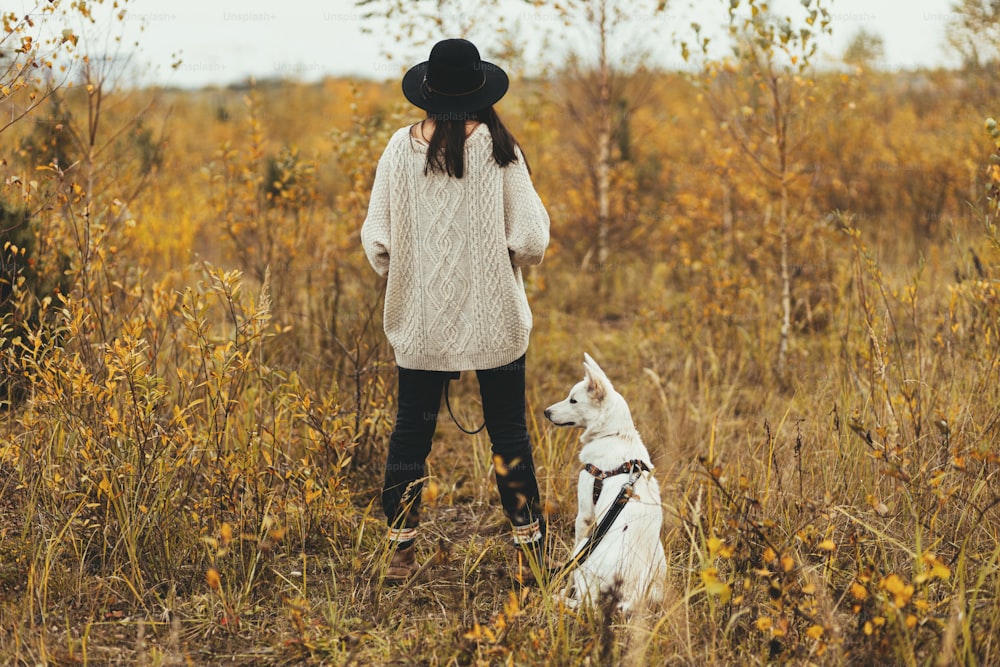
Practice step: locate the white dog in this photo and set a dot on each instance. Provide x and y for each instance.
(630, 556)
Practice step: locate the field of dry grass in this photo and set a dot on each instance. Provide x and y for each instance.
(197, 395)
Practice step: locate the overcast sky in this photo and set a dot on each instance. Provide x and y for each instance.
(224, 41)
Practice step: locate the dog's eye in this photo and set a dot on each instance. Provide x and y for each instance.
(572, 400)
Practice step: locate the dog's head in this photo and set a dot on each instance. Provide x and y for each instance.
(592, 403)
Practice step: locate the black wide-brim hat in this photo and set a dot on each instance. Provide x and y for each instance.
(454, 80)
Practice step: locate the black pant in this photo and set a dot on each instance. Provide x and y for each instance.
(419, 400)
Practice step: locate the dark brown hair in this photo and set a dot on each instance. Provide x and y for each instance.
(446, 150)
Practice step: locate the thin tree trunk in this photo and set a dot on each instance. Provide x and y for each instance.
(786, 285)
(603, 150)
(781, 139)
(603, 197)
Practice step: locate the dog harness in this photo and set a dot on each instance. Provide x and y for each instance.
(601, 475)
(634, 469)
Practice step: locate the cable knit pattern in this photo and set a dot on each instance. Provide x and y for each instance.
(452, 250)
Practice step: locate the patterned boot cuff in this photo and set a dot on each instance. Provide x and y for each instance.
(402, 534)
(527, 534)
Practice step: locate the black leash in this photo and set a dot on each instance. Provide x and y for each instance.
(454, 376)
(634, 471)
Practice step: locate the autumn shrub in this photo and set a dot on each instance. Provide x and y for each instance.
(868, 535)
(326, 299)
(25, 280)
(159, 437)
(185, 428)
(15, 271)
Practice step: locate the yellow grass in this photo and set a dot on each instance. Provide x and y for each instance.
(196, 415)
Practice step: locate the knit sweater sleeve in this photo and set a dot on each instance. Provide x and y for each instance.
(375, 232)
(527, 221)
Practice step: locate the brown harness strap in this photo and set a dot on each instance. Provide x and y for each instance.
(601, 475)
(633, 468)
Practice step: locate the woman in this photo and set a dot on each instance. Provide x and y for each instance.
(452, 219)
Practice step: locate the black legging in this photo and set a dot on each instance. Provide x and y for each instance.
(419, 400)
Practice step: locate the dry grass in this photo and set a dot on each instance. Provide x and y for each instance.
(819, 522)
(190, 466)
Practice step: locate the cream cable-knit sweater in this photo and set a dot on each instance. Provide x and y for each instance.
(453, 250)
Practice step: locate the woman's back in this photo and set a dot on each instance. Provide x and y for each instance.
(455, 297)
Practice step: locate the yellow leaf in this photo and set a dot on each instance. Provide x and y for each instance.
(226, 533)
(714, 544)
(500, 466)
(892, 583)
(827, 545)
(475, 633)
(911, 621)
(787, 563)
(815, 631)
(859, 591)
(715, 587)
(764, 623)
(901, 591)
(431, 492)
(938, 569)
(212, 577)
(512, 608)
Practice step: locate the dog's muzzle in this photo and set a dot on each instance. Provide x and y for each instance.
(548, 415)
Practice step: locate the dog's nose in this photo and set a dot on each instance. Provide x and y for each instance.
(548, 413)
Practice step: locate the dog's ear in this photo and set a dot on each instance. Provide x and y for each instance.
(594, 369)
(597, 381)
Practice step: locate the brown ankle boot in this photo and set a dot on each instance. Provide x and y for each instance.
(402, 566)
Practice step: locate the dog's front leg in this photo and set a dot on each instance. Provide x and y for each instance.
(585, 515)
(585, 518)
